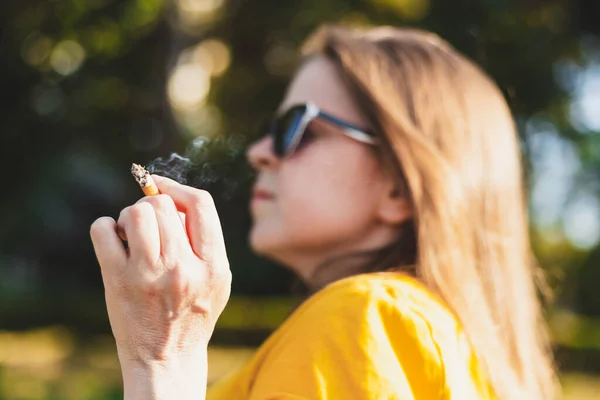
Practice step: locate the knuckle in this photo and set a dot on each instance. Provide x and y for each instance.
(124, 214)
(221, 274)
(147, 259)
(100, 225)
(225, 278)
(138, 211)
(203, 199)
(180, 280)
(163, 201)
(156, 200)
(222, 285)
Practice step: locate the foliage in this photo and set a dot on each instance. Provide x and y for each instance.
(85, 89)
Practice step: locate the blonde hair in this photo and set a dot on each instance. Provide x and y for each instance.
(450, 134)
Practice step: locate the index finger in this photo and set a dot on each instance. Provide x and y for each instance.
(107, 245)
(202, 221)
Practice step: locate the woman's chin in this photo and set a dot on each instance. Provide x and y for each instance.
(262, 241)
(269, 243)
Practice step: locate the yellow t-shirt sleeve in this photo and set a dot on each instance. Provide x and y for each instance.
(353, 341)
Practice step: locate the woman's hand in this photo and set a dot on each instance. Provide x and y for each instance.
(165, 292)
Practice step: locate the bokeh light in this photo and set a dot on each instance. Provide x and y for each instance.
(194, 13)
(47, 100)
(204, 122)
(188, 86)
(555, 165)
(582, 222)
(213, 55)
(67, 56)
(36, 49)
(106, 38)
(585, 109)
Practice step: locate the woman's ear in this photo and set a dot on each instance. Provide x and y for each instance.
(395, 207)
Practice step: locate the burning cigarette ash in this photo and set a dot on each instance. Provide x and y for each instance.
(144, 179)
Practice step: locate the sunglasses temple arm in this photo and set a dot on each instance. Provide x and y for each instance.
(354, 131)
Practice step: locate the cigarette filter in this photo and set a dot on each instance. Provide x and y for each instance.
(144, 179)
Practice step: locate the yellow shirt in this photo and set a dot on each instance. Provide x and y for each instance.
(372, 336)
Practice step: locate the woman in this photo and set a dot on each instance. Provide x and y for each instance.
(390, 182)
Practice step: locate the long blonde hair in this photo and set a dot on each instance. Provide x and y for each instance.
(451, 136)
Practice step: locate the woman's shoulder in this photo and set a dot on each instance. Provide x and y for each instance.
(376, 335)
(381, 321)
(363, 306)
(388, 292)
(375, 284)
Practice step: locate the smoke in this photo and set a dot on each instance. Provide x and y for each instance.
(175, 167)
(217, 165)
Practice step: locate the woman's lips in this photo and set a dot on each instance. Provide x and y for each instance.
(261, 194)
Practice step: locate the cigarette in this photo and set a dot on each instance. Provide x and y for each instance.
(144, 179)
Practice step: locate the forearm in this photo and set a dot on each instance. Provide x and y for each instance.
(182, 379)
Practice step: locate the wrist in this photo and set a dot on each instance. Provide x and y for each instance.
(181, 378)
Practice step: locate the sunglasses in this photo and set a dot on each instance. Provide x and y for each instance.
(288, 129)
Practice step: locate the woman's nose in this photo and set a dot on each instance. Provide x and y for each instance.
(260, 155)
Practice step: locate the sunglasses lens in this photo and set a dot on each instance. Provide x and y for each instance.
(285, 130)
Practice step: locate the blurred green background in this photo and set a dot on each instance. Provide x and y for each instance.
(89, 86)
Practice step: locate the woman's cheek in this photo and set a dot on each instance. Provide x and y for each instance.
(312, 215)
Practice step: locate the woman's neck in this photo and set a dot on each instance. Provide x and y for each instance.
(397, 251)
